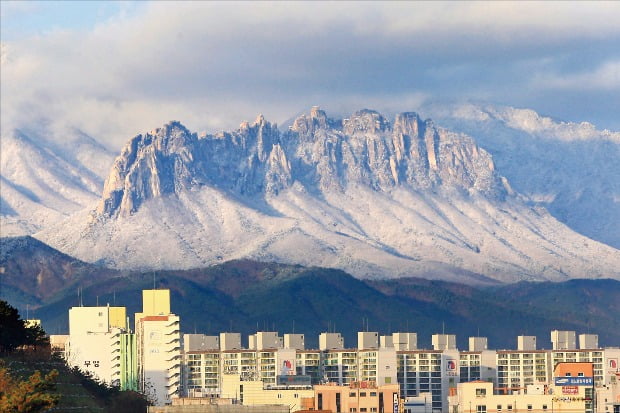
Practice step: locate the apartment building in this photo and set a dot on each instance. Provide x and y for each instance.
(517, 369)
(95, 344)
(158, 343)
(308, 363)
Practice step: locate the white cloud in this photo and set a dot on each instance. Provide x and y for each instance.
(605, 77)
(212, 65)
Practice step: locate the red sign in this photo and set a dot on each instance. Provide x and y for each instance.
(570, 390)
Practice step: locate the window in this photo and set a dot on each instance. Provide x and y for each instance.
(544, 407)
(352, 409)
(509, 407)
(481, 408)
(481, 392)
(499, 408)
(373, 394)
(363, 409)
(363, 394)
(352, 394)
(580, 374)
(529, 407)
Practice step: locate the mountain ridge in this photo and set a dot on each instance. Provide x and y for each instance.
(363, 194)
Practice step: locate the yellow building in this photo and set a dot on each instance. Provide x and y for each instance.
(154, 302)
(254, 392)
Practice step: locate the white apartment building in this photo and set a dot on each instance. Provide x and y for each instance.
(94, 342)
(158, 341)
(517, 369)
(421, 373)
(308, 363)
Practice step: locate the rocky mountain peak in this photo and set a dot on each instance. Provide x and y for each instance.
(317, 152)
(365, 120)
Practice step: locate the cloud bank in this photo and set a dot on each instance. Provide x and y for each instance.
(212, 65)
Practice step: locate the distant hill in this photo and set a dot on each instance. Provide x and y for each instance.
(247, 296)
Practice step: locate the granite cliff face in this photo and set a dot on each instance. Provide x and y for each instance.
(316, 152)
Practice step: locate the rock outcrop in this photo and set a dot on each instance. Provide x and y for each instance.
(317, 152)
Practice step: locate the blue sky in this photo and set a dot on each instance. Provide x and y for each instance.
(114, 69)
(28, 18)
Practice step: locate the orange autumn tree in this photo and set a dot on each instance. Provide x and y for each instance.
(34, 394)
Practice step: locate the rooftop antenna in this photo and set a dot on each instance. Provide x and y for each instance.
(97, 301)
(27, 311)
(443, 327)
(114, 297)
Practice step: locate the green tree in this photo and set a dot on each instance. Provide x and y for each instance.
(32, 395)
(36, 337)
(13, 331)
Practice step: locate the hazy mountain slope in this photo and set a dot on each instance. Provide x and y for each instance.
(572, 169)
(37, 270)
(43, 182)
(246, 296)
(373, 197)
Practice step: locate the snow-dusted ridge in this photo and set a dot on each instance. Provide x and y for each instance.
(375, 197)
(43, 182)
(572, 169)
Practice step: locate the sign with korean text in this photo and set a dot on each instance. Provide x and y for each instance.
(570, 390)
(574, 381)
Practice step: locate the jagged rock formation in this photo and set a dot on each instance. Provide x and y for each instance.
(318, 153)
(374, 197)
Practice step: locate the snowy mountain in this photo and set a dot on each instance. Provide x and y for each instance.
(374, 197)
(43, 182)
(572, 169)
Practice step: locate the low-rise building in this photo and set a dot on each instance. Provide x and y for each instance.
(357, 397)
(255, 392)
(571, 391)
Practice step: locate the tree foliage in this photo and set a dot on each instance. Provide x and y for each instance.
(12, 328)
(14, 333)
(34, 394)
